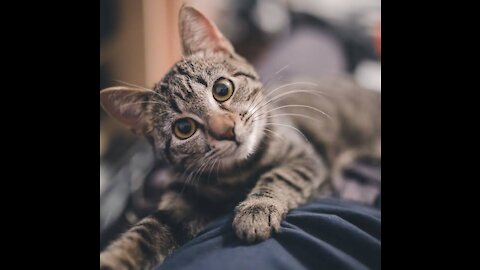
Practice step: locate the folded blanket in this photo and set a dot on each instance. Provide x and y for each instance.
(325, 234)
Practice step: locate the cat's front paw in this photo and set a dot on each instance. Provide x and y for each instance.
(256, 219)
(108, 261)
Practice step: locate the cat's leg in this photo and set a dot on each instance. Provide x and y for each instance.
(141, 247)
(277, 191)
(371, 153)
(155, 237)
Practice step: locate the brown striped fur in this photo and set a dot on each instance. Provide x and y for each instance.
(261, 177)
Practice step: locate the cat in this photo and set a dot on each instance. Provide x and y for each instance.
(233, 147)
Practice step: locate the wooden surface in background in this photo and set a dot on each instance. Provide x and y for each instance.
(162, 42)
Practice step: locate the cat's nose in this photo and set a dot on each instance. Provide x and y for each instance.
(221, 127)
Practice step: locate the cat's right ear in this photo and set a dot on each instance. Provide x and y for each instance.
(198, 33)
(127, 106)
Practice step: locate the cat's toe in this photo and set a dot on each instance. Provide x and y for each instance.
(256, 221)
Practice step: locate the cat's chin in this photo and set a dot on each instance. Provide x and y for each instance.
(239, 153)
(233, 155)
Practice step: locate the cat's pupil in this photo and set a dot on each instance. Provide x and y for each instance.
(221, 89)
(184, 126)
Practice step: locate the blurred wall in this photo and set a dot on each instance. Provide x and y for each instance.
(162, 43)
(143, 45)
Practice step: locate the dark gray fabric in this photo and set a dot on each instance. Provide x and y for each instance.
(360, 181)
(325, 234)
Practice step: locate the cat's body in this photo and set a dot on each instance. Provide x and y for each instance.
(257, 153)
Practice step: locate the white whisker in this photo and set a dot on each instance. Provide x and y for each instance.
(298, 106)
(284, 114)
(274, 133)
(278, 97)
(141, 102)
(289, 126)
(124, 88)
(131, 84)
(278, 88)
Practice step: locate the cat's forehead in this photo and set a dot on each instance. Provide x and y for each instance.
(207, 66)
(196, 65)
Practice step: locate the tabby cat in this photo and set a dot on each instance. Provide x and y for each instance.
(233, 147)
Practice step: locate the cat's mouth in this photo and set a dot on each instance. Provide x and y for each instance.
(237, 141)
(229, 153)
(232, 149)
(239, 149)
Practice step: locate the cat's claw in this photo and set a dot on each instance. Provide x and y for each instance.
(255, 220)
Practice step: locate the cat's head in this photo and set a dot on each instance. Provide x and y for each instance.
(205, 111)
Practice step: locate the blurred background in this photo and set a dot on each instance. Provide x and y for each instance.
(139, 42)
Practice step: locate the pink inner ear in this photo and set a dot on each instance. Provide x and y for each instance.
(125, 105)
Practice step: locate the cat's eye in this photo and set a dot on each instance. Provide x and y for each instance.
(222, 90)
(184, 128)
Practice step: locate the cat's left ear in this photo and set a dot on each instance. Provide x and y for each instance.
(127, 106)
(198, 33)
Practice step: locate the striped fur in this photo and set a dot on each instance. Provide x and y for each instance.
(281, 161)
